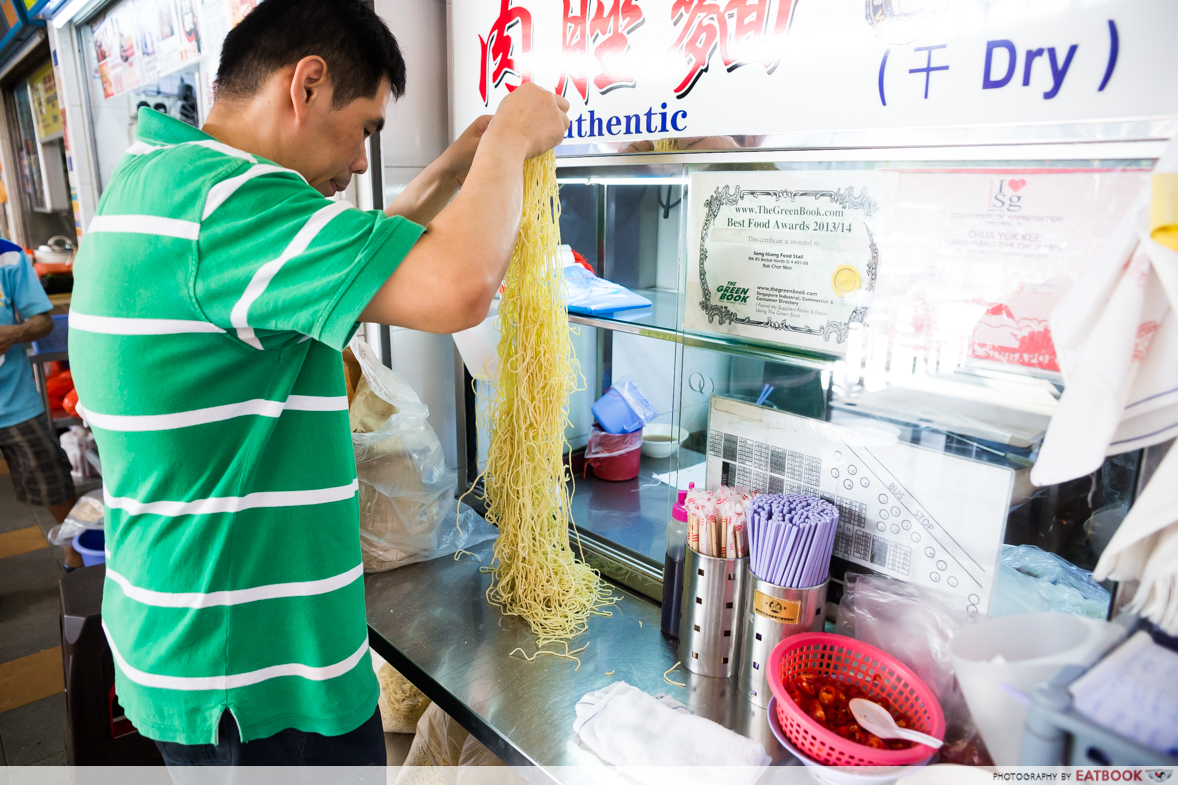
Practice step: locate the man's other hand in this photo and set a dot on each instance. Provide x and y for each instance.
(460, 155)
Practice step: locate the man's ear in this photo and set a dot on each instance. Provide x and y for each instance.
(309, 86)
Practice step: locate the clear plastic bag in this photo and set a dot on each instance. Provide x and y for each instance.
(75, 442)
(443, 752)
(603, 445)
(438, 741)
(1030, 580)
(87, 513)
(915, 625)
(475, 753)
(586, 293)
(629, 390)
(407, 508)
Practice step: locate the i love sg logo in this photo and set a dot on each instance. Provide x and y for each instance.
(1005, 195)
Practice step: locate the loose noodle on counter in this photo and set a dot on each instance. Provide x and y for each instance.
(534, 573)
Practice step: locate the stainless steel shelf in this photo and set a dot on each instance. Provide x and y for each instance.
(623, 525)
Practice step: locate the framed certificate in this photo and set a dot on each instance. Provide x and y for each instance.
(979, 258)
(782, 257)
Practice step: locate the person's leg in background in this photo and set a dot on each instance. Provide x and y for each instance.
(59, 511)
(40, 472)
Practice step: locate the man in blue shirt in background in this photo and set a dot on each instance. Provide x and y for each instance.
(39, 467)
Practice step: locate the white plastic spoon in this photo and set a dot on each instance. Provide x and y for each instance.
(874, 718)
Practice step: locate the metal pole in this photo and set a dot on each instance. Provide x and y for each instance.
(605, 338)
(376, 169)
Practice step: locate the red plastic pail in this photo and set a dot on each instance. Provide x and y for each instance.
(617, 468)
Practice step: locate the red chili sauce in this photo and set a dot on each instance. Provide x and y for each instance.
(827, 701)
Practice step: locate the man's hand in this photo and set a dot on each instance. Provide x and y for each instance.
(422, 199)
(533, 117)
(529, 122)
(535, 104)
(34, 328)
(460, 155)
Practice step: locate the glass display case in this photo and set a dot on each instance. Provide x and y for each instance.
(945, 361)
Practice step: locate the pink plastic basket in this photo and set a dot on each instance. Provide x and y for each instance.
(874, 672)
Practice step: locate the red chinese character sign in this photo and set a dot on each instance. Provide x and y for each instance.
(595, 37)
(498, 51)
(744, 31)
(648, 69)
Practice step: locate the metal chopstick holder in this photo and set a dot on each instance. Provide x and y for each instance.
(770, 614)
(709, 628)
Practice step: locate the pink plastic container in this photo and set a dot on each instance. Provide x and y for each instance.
(873, 671)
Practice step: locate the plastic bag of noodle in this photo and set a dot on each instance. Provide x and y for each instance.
(443, 752)
(401, 704)
(407, 508)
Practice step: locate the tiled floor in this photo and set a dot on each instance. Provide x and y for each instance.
(32, 704)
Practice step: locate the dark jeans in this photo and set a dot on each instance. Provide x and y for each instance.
(362, 747)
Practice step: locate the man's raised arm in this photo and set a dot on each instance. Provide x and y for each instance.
(446, 282)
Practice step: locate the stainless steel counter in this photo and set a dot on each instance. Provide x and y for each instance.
(432, 622)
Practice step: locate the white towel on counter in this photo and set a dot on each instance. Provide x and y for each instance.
(1116, 337)
(629, 728)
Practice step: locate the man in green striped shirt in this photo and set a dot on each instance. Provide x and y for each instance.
(215, 290)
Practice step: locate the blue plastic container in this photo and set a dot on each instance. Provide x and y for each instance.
(615, 415)
(56, 341)
(91, 546)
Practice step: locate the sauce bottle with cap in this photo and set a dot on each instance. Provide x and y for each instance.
(673, 566)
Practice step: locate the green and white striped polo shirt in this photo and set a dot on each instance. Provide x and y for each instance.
(214, 293)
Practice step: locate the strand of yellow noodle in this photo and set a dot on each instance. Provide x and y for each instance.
(534, 574)
(567, 655)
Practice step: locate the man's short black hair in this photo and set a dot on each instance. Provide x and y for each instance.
(355, 43)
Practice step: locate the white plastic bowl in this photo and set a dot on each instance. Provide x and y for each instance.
(672, 437)
(839, 775)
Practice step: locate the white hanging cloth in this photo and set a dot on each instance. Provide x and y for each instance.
(1116, 337)
(1145, 548)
